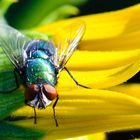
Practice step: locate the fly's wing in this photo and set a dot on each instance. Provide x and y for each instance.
(66, 42)
(13, 42)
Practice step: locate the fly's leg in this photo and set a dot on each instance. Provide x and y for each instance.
(35, 118)
(16, 79)
(75, 79)
(17, 84)
(54, 113)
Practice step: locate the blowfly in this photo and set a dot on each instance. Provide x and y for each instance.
(39, 62)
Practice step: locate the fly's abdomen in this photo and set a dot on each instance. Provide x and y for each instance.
(39, 71)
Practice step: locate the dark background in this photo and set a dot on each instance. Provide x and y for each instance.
(91, 6)
(98, 6)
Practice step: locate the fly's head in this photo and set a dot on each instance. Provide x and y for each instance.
(40, 95)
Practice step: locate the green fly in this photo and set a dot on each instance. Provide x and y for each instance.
(39, 62)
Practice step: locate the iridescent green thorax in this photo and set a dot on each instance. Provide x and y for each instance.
(39, 66)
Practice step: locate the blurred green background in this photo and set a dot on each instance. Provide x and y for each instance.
(29, 13)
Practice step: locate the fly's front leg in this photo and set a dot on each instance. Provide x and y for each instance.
(54, 113)
(75, 79)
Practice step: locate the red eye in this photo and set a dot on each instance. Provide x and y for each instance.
(31, 91)
(49, 91)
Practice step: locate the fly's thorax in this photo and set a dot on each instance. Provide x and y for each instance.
(44, 46)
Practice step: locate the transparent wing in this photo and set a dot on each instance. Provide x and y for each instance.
(13, 42)
(66, 42)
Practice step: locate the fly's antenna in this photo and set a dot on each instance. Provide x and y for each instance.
(35, 117)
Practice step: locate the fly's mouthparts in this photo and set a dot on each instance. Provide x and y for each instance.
(40, 101)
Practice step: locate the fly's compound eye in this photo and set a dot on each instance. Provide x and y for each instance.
(31, 92)
(49, 91)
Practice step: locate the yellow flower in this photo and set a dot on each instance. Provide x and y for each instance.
(108, 55)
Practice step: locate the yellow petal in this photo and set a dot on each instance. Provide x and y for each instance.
(95, 136)
(83, 111)
(132, 89)
(117, 30)
(122, 42)
(100, 79)
(94, 60)
(100, 25)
